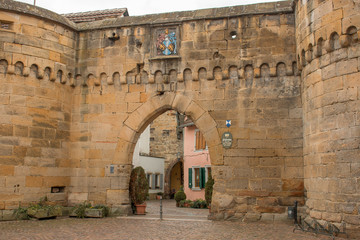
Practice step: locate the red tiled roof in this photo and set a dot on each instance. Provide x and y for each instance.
(96, 15)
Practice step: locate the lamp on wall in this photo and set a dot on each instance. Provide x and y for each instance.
(178, 156)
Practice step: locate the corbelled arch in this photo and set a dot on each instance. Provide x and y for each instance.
(138, 120)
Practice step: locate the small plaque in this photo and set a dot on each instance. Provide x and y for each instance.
(227, 140)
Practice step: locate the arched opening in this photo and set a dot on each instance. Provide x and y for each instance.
(141, 118)
(176, 178)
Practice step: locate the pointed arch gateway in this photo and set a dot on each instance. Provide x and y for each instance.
(138, 120)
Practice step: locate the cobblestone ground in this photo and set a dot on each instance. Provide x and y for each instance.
(178, 225)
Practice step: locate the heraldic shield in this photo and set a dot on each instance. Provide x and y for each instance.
(166, 43)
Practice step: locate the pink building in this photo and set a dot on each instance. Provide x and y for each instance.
(197, 165)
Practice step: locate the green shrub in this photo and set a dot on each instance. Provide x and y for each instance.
(21, 213)
(38, 209)
(198, 203)
(182, 203)
(80, 209)
(209, 190)
(180, 195)
(139, 186)
(106, 209)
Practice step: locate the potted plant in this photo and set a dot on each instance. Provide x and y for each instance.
(85, 209)
(187, 203)
(138, 189)
(182, 203)
(159, 195)
(180, 195)
(208, 191)
(41, 210)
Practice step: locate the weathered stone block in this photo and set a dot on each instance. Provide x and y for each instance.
(7, 170)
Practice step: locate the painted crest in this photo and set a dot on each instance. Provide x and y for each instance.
(166, 43)
(228, 123)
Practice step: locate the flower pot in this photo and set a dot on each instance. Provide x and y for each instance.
(44, 213)
(140, 209)
(158, 197)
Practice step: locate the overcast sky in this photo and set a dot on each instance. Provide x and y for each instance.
(136, 7)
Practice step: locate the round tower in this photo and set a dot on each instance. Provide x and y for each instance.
(328, 54)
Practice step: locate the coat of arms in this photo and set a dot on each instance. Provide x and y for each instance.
(166, 43)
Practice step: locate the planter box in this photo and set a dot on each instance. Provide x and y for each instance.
(43, 213)
(94, 213)
(90, 213)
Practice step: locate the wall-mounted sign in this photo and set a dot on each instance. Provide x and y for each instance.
(228, 123)
(227, 140)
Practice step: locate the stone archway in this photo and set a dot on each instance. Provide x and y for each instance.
(141, 118)
(168, 175)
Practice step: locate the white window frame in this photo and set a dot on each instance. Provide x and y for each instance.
(157, 181)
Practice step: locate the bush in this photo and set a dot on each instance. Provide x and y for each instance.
(21, 213)
(38, 210)
(182, 203)
(199, 203)
(180, 195)
(138, 187)
(209, 190)
(104, 208)
(79, 209)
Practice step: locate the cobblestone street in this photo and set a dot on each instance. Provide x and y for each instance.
(178, 223)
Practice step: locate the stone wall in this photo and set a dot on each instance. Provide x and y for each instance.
(240, 68)
(75, 99)
(328, 52)
(35, 112)
(164, 143)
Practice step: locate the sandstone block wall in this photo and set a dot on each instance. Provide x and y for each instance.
(328, 49)
(164, 142)
(75, 98)
(35, 112)
(240, 68)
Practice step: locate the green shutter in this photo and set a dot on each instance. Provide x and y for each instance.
(202, 178)
(190, 178)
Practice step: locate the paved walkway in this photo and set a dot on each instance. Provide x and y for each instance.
(179, 223)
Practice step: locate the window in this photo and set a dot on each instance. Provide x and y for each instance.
(155, 180)
(200, 143)
(5, 25)
(196, 178)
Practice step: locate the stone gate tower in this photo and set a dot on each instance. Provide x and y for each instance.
(74, 98)
(328, 54)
